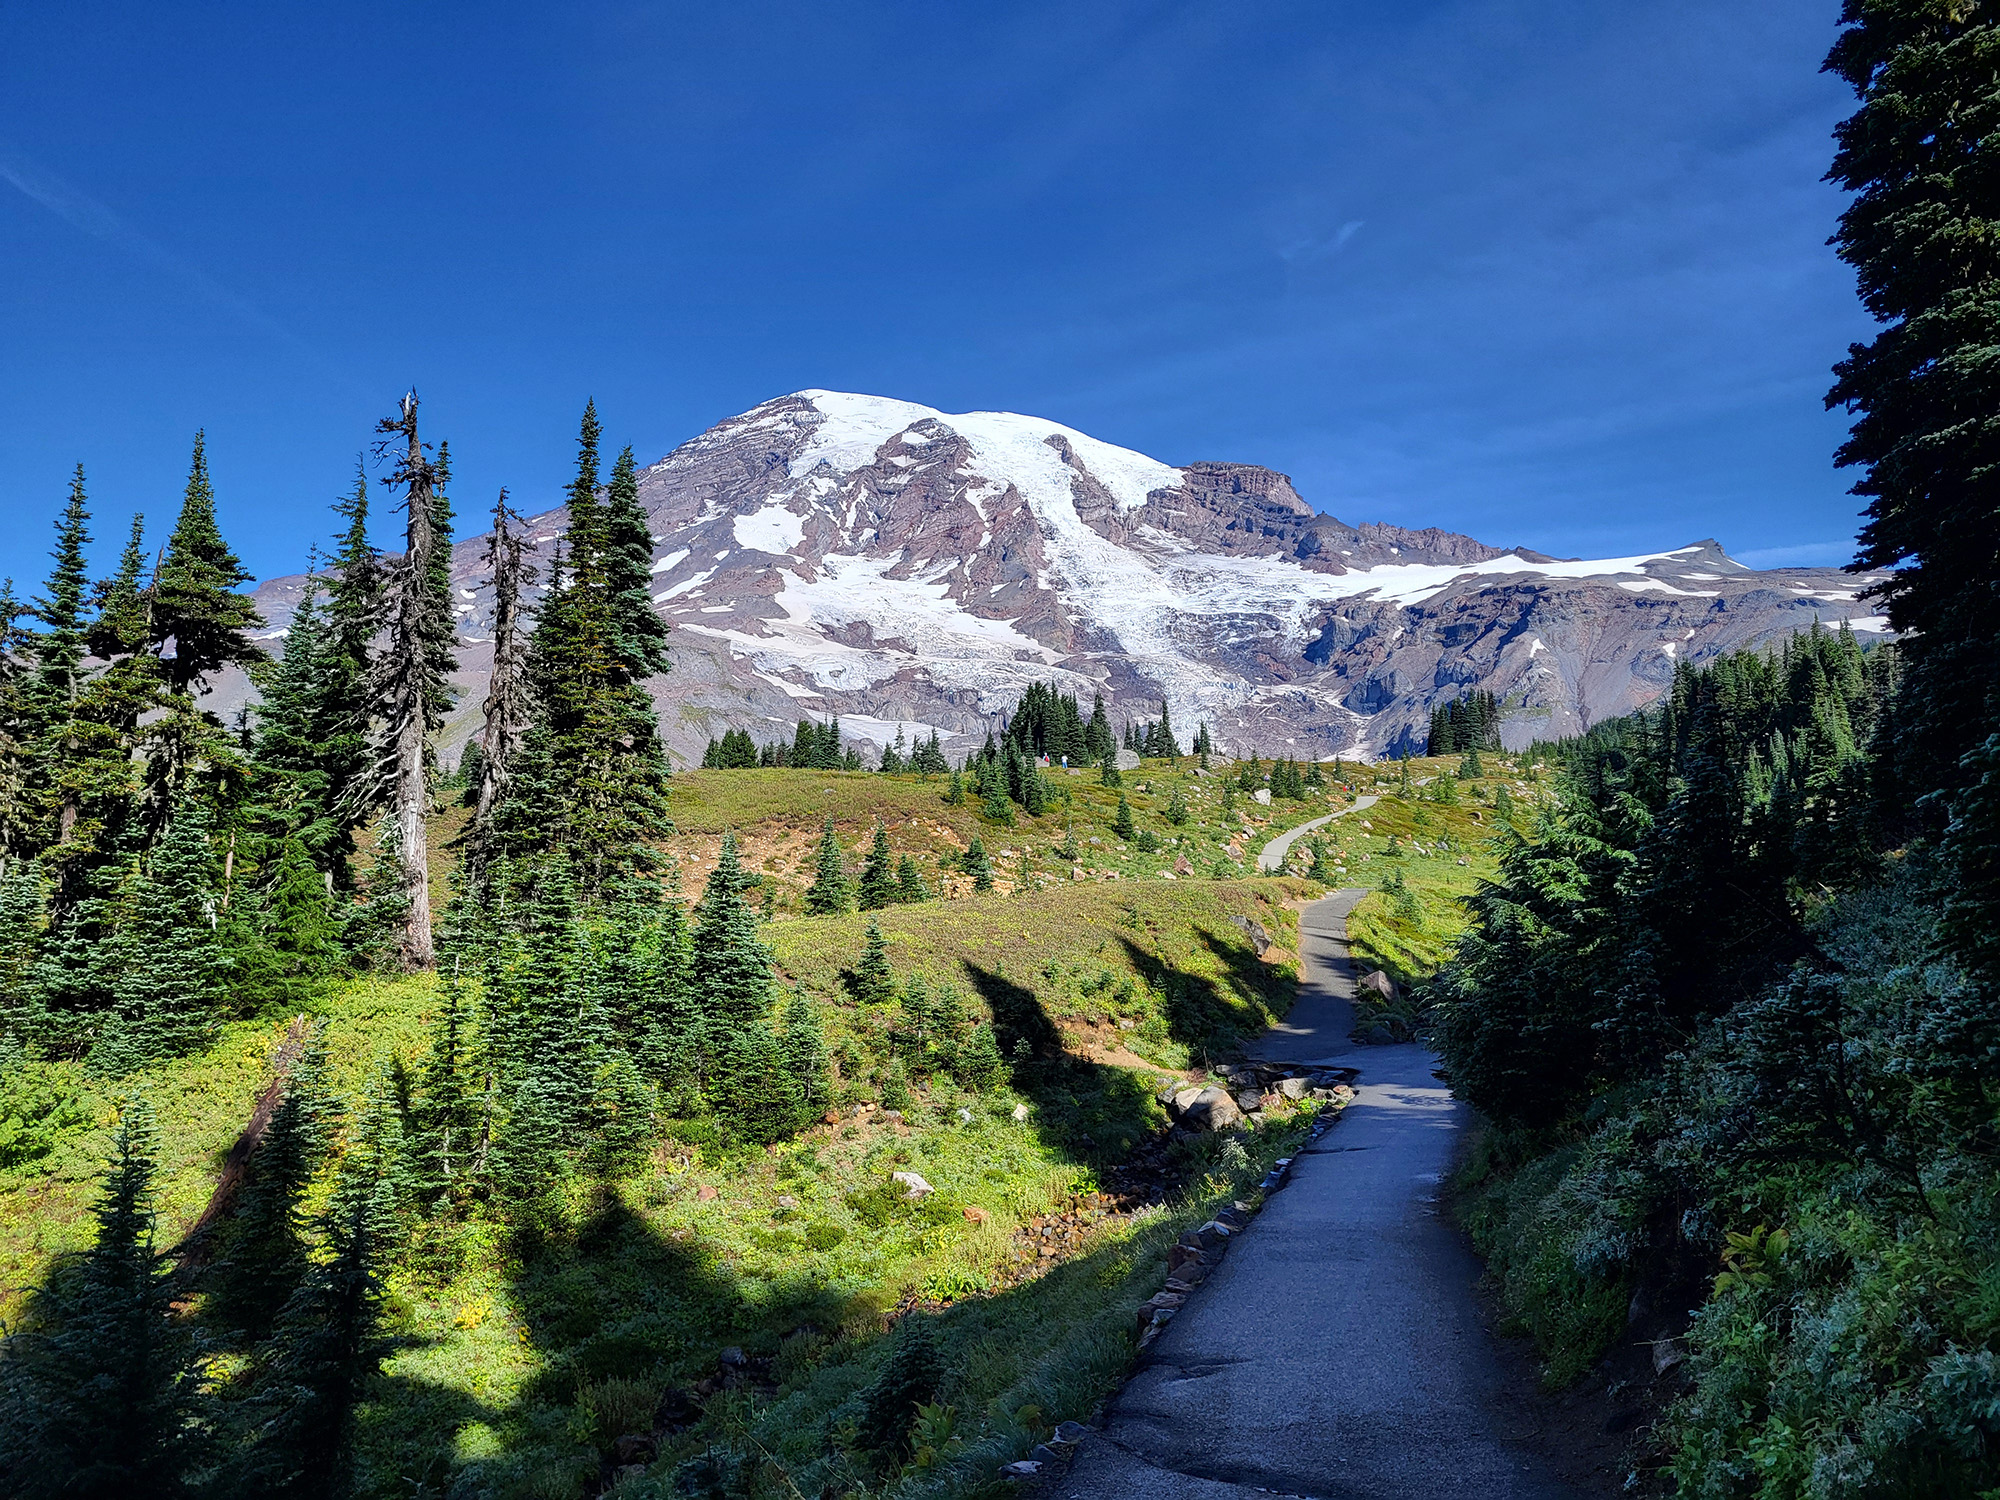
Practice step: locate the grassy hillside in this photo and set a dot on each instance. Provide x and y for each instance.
(777, 815)
(516, 1354)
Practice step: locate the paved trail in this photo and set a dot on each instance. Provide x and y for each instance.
(1273, 857)
(1337, 1351)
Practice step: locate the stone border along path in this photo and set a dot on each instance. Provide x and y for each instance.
(1272, 859)
(1337, 1350)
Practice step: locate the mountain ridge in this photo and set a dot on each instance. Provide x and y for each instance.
(832, 554)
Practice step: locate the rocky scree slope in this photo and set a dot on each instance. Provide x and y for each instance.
(830, 554)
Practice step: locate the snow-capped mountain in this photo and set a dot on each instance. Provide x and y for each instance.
(831, 554)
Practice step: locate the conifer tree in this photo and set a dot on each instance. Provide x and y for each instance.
(874, 983)
(640, 633)
(195, 603)
(58, 652)
(592, 772)
(910, 1379)
(1122, 824)
(167, 963)
(975, 863)
(1924, 391)
(23, 916)
(506, 705)
(447, 1118)
(1098, 743)
(830, 893)
(99, 1396)
(730, 966)
(978, 1064)
(877, 886)
(928, 758)
(910, 887)
(409, 688)
(805, 1056)
(310, 751)
(356, 583)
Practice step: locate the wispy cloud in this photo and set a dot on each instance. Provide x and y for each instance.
(81, 211)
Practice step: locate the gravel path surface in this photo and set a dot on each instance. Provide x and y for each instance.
(1337, 1351)
(1273, 857)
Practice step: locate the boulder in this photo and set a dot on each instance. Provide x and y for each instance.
(1211, 1109)
(1021, 1471)
(914, 1187)
(964, 1115)
(1291, 1088)
(1254, 930)
(1249, 1100)
(705, 1193)
(1020, 1113)
(1180, 1102)
(1262, 796)
(1380, 985)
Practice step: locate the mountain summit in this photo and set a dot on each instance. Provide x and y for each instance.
(833, 554)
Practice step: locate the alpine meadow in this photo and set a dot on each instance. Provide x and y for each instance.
(892, 954)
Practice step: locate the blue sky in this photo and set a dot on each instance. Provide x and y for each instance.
(1550, 273)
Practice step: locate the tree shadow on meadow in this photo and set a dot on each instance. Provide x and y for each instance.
(1086, 1111)
(1213, 1018)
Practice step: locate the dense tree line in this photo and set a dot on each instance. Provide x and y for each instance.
(813, 747)
(1470, 723)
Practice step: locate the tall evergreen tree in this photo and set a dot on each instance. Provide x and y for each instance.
(806, 1061)
(730, 966)
(637, 628)
(409, 688)
(1925, 392)
(357, 577)
(506, 705)
(165, 958)
(63, 609)
(195, 603)
(592, 772)
(327, 1343)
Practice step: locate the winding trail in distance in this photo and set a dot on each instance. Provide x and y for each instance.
(1338, 1350)
(1272, 859)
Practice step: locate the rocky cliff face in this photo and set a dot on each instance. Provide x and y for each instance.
(828, 554)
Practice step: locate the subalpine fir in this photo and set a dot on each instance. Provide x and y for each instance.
(830, 893)
(168, 965)
(196, 599)
(877, 886)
